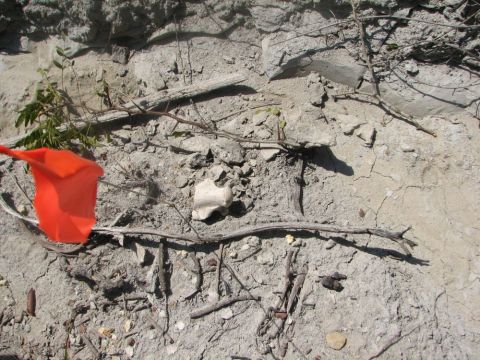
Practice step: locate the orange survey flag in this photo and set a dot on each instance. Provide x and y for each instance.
(65, 192)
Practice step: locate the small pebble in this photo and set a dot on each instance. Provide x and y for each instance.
(141, 254)
(181, 181)
(298, 243)
(179, 326)
(212, 262)
(331, 284)
(407, 148)
(171, 349)
(212, 297)
(290, 239)
(361, 213)
(105, 332)
(245, 247)
(129, 351)
(336, 340)
(127, 325)
(330, 244)
(226, 313)
(22, 209)
(254, 241)
(182, 254)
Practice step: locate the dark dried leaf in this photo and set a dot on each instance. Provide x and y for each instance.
(280, 314)
(31, 302)
(212, 262)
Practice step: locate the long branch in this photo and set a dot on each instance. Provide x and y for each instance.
(397, 236)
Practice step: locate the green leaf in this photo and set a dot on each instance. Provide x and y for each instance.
(282, 124)
(274, 111)
(57, 64)
(177, 134)
(60, 51)
(392, 46)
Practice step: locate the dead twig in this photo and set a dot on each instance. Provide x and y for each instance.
(221, 304)
(287, 282)
(161, 268)
(93, 350)
(295, 193)
(396, 236)
(199, 276)
(367, 55)
(219, 270)
(394, 340)
(163, 201)
(297, 285)
(210, 130)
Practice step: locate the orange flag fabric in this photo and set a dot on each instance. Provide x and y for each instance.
(65, 192)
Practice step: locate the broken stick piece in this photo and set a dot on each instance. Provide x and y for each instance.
(149, 102)
(220, 304)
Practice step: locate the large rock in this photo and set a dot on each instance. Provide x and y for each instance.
(89, 20)
(228, 151)
(288, 51)
(307, 127)
(208, 198)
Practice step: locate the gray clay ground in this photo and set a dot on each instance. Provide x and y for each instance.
(392, 307)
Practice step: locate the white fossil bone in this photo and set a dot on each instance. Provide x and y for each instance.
(208, 198)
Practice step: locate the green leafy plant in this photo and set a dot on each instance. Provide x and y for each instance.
(50, 112)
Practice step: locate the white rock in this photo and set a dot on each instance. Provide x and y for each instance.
(330, 244)
(290, 239)
(407, 148)
(141, 254)
(179, 326)
(200, 144)
(212, 296)
(226, 313)
(245, 247)
(22, 209)
(127, 325)
(269, 154)
(254, 241)
(411, 68)
(209, 198)
(129, 351)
